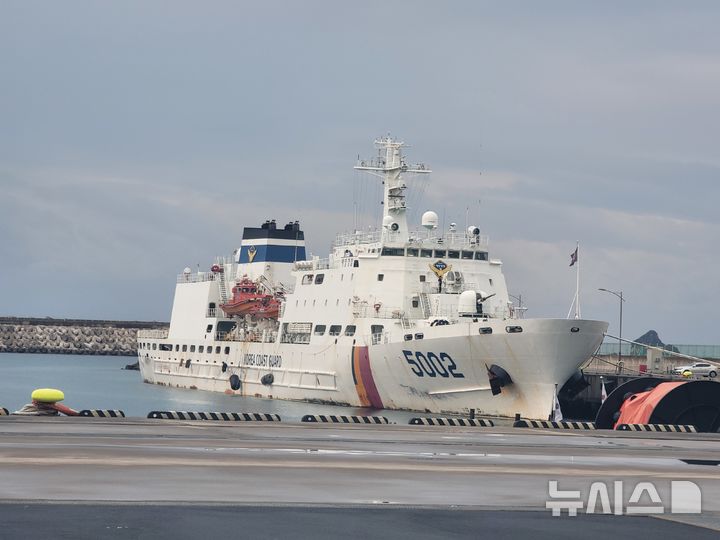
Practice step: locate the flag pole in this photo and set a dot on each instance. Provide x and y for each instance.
(577, 284)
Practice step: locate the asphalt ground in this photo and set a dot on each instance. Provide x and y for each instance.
(136, 478)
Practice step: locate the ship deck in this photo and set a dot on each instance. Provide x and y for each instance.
(122, 478)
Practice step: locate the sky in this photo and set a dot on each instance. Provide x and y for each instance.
(138, 138)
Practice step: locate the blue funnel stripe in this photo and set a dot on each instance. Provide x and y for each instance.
(270, 253)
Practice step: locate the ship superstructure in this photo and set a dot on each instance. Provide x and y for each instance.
(392, 318)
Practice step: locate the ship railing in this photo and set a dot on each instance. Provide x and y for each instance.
(153, 334)
(254, 336)
(417, 238)
(196, 277)
(313, 264)
(367, 311)
(211, 312)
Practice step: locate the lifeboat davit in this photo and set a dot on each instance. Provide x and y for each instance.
(247, 300)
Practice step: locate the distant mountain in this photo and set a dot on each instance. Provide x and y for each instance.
(651, 338)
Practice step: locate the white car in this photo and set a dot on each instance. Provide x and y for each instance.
(698, 368)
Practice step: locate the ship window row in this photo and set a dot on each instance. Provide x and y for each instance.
(167, 347)
(436, 253)
(335, 330)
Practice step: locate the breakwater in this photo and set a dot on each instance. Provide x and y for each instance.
(71, 336)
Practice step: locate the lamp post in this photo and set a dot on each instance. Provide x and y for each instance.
(619, 294)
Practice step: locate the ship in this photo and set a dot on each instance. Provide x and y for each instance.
(393, 318)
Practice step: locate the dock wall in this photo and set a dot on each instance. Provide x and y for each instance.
(71, 336)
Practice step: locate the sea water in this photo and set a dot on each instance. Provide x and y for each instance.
(100, 382)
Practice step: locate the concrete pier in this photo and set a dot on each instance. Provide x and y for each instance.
(71, 336)
(386, 481)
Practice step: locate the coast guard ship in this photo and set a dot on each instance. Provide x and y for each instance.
(393, 318)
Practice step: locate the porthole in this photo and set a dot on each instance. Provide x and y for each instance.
(574, 329)
(513, 329)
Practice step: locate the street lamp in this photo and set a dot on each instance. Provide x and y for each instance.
(619, 294)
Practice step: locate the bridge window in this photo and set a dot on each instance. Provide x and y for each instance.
(227, 350)
(307, 279)
(319, 279)
(201, 348)
(393, 252)
(208, 329)
(350, 330)
(184, 348)
(217, 350)
(177, 348)
(165, 347)
(154, 346)
(381, 277)
(412, 252)
(320, 329)
(440, 253)
(192, 348)
(422, 278)
(426, 252)
(481, 256)
(452, 254)
(467, 255)
(335, 329)
(356, 264)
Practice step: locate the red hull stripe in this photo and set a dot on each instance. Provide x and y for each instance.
(364, 381)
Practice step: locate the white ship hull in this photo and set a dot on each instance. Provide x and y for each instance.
(392, 318)
(539, 359)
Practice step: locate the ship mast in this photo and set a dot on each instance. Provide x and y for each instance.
(390, 165)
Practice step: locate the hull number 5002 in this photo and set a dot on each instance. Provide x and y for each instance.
(432, 365)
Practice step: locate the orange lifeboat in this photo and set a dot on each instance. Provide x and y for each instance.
(247, 300)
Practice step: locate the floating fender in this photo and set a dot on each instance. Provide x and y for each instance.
(498, 378)
(268, 379)
(47, 395)
(222, 416)
(4, 411)
(333, 419)
(609, 411)
(546, 424)
(464, 422)
(102, 413)
(234, 382)
(683, 403)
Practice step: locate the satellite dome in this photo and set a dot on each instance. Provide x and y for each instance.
(430, 220)
(473, 230)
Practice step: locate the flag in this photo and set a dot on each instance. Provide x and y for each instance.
(603, 393)
(574, 257)
(557, 415)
